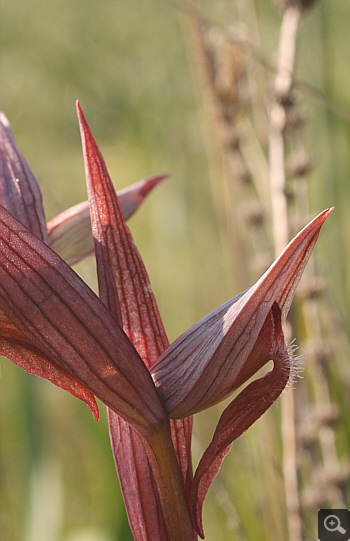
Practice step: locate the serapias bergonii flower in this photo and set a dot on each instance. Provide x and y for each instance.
(249, 325)
(226, 348)
(116, 356)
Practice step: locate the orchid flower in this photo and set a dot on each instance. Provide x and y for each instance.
(115, 347)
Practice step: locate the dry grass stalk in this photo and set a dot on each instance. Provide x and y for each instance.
(227, 96)
(221, 65)
(330, 476)
(280, 109)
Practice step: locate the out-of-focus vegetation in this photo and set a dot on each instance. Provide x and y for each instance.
(127, 62)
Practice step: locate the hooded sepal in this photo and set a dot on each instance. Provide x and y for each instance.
(212, 358)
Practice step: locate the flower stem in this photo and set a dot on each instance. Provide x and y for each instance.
(170, 486)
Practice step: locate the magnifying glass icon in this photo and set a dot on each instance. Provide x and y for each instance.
(332, 524)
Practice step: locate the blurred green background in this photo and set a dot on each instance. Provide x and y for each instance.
(127, 63)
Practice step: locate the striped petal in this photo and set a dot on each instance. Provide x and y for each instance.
(47, 301)
(21, 351)
(212, 358)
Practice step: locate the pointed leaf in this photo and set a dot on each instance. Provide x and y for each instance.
(209, 361)
(123, 282)
(46, 300)
(121, 269)
(20, 350)
(70, 232)
(19, 190)
(125, 288)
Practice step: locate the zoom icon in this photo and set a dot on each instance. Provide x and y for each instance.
(333, 525)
